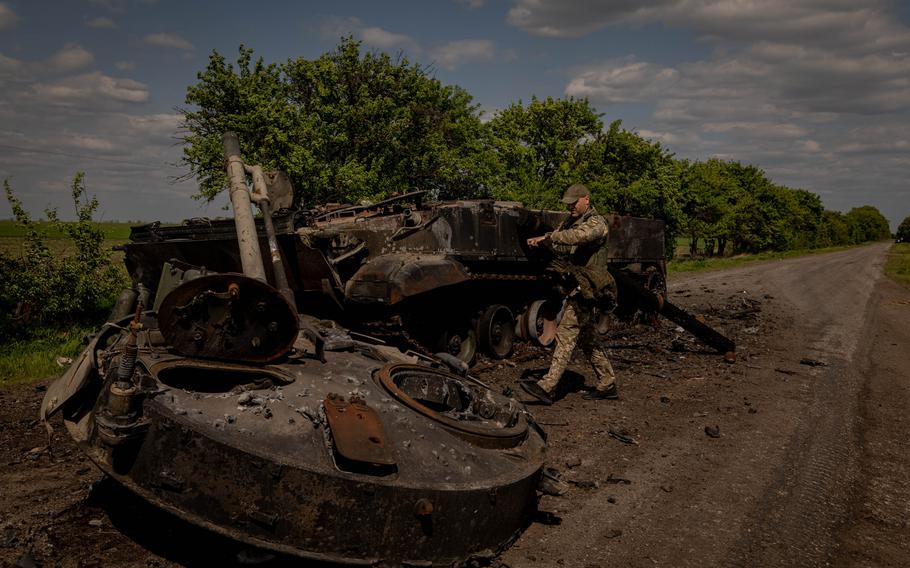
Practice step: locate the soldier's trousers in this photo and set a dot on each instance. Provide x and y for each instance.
(577, 327)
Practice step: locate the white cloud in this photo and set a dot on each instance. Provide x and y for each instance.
(127, 159)
(90, 86)
(125, 65)
(9, 66)
(811, 146)
(575, 18)
(758, 129)
(378, 37)
(460, 52)
(672, 139)
(101, 23)
(87, 142)
(858, 24)
(171, 40)
(621, 81)
(333, 28)
(8, 18)
(71, 57)
(160, 125)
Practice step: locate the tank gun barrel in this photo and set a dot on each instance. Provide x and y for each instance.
(247, 239)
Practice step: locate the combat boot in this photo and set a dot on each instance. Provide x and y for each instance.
(610, 393)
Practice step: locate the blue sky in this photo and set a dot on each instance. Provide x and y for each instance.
(817, 93)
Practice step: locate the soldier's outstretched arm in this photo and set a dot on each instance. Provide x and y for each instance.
(592, 229)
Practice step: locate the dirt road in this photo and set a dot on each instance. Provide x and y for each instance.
(811, 466)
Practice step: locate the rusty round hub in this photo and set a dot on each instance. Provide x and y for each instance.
(229, 317)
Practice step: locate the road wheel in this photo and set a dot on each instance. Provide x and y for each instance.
(496, 331)
(460, 342)
(540, 320)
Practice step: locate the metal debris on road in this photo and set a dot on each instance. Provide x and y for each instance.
(622, 437)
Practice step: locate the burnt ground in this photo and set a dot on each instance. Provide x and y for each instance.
(796, 455)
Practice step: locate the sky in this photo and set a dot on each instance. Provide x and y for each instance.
(816, 93)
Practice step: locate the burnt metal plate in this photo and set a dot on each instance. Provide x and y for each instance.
(230, 317)
(357, 431)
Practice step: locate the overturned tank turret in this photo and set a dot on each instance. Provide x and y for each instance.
(230, 407)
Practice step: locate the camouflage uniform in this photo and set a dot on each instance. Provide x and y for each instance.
(583, 241)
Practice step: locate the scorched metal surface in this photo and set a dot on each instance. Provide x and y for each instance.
(249, 451)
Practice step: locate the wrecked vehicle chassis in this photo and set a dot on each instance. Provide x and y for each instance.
(453, 276)
(361, 460)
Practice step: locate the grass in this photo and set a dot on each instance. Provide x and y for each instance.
(25, 361)
(34, 359)
(897, 265)
(112, 229)
(715, 263)
(12, 236)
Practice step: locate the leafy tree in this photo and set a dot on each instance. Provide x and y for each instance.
(806, 218)
(903, 231)
(541, 149)
(547, 145)
(39, 288)
(760, 216)
(346, 126)
(867, 224)
(641, 178)
(834, 230)
(709, 192)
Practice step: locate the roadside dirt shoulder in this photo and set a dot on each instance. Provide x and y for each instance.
(875, 534)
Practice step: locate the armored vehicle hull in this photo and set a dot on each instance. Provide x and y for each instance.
(450, 277)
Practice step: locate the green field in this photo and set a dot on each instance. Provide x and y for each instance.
(112, 229)
(12, 233)
(897, 266)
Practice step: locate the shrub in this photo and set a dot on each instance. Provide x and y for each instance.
(41, 290)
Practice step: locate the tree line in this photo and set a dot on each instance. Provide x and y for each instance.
(353, 125)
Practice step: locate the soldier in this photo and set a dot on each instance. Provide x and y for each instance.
(582, 238)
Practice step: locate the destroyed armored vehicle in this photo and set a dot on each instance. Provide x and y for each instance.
(216, 396)
(448, 277)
